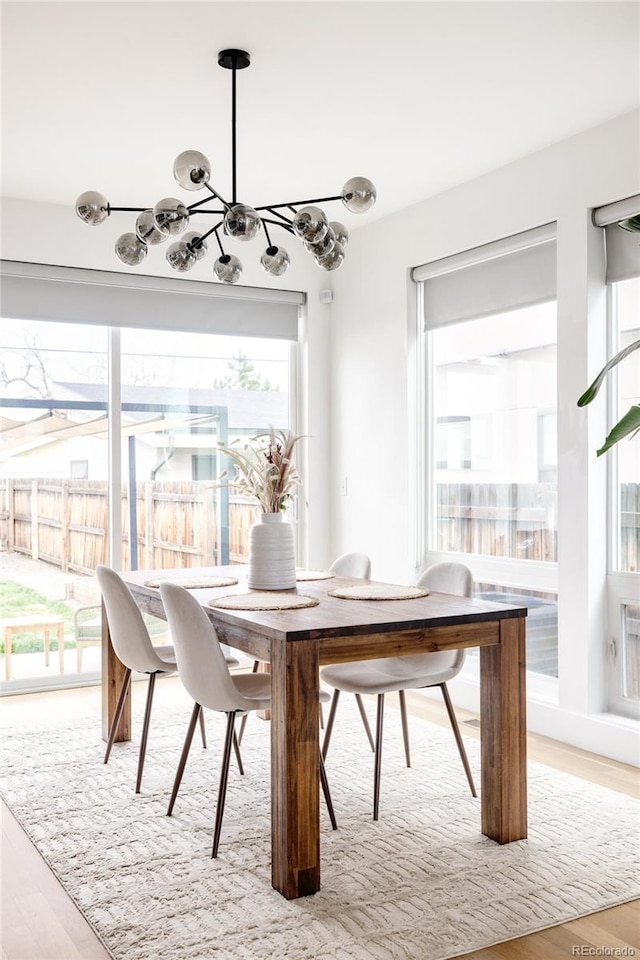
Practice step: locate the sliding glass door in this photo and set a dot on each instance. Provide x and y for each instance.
(111, 446)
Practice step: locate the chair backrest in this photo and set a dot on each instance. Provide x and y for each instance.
(129, 634)
(445, 577)
(457, 579)
(352, 565)
(201, 662)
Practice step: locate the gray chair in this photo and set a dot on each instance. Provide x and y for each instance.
(205, 675)
(379, 677)
(133, 647)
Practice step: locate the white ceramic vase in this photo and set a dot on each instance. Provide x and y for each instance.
(272, 554)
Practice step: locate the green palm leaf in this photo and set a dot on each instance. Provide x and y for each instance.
(591, 392)
(627, 425)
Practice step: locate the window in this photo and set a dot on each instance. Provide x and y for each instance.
(624, 490)
(494, 401)
(623, 459)
(491, 426)
(133, 484)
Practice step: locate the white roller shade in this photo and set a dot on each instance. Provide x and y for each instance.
(518, 271)
(623, 253)
(74, 295)
(623, 247)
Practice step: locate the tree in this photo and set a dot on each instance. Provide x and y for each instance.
(26, 366)
(242, 375)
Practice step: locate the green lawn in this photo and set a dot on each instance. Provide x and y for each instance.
(16, 600)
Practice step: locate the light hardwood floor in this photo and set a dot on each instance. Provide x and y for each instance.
(40, 922)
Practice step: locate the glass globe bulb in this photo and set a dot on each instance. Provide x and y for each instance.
(227, 268)
(310, 224)
(322, 246)
(275, 260)
(147, 230)
(181, 257)
(358, 194)
(130, 249)
(192, 169)
(333, 259)
(241, 222)
(197, 244)
(92, 207)
(340, 231)
(171, 216)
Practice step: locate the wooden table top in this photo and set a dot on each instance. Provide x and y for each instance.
(332, 617)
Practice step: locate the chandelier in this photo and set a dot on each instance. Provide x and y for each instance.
(170, 218)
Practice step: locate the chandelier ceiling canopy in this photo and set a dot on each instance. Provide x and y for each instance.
(171, 218)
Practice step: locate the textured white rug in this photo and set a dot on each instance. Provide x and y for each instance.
(421, 884)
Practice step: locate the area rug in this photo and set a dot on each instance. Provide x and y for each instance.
(420, 884)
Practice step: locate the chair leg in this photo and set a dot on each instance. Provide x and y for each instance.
(236, 747)
(327, 795)
(332, 716)
(459, 740)
(243, 722)
(321, 717)
(365, 721)
(203, 732)
(378, 757)
(145, 729)
(222, 789)
(405, 725)
(195, 713)
(124, 689)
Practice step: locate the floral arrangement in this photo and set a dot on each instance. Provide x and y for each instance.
(265, 469)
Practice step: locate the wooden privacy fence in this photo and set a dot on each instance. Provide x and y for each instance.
(65, 522)
(519, 520)
(498, 519)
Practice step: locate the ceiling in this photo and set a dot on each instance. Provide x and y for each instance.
(417, 96)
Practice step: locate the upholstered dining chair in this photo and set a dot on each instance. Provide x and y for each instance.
(205, 675)
(347, 565)
(355, 565)
(352, 565)
(133, 647)
(379, 677)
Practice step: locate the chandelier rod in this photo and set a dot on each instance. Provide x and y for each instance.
(281, 215)
(233, 133)
(297, 203)
(212, 230)
(277, 223)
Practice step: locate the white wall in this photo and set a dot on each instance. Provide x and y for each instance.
(372, 408)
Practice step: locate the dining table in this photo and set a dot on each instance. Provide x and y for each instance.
(297, 642)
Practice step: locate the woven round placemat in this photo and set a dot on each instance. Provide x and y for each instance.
(193, 583)
(263, 601)
(381, 591)
(314, 574)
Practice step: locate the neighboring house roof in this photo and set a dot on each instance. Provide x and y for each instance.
(248, 409)
(24, 429)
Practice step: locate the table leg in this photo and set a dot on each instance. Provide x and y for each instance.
(113, 671)
(61, 647)
(46, 648)
(295, 751)
(503, 734)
